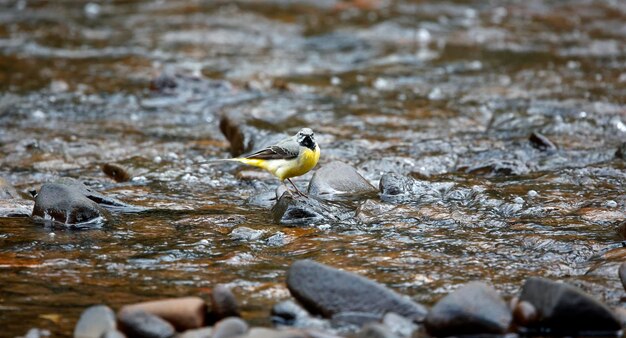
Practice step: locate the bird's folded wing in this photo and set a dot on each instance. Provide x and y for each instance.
(275, 153)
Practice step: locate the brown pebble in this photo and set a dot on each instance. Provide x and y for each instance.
(525, 313)
(223, 303)
(184, 313)
(116, 172)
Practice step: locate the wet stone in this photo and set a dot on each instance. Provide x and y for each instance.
(475, 308)
(328, 291)
(95, 321)
(565, 309)
(288, 313)
(246, 234)
(230, 327)
(300, 210)
(541, 142)
(338, 178)
(65, 204)
(16, 208)
(183, 313)
(260, 332)
(97, 197)
(140, 324)
(116, 172)
(223, 303)
(499, 167)
(622, 274)
(524, 314)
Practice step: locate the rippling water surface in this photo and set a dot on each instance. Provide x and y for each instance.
(445, 91)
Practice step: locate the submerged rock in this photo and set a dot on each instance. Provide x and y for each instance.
(95, 322)
(541, 142)
(564, 309)
(475, 308)
(246, 234)
(183, 313)
(65, 204)
(307, 210)
(338, 178)
(140, 324)
(328, 291)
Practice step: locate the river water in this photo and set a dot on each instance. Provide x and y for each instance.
(444, 91)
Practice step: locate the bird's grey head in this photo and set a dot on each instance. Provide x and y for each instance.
(305, 138)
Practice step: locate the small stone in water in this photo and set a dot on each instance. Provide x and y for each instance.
(116, 172)
(94, 322)
(532, 193)
(223, 303)
(518, 200)
(524, 313)
(610, 204)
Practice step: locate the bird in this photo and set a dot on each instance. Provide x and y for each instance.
(291, 157)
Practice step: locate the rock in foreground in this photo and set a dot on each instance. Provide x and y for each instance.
(140, 324)
(564, 309)
(95, 322)
(183, 313)
(328, 291)
(307, 210)
(475, 308)
(338, 178)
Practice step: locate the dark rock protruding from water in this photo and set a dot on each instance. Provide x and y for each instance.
(307, 210)
(564, 309)
(622, 274)
(140, 324)
(65, 204)
(7, 191)
(244, 138)
(95, 322)
(475, 308)
(339, 178)
(621, 151)
(328, 291)
(183, 313)
(541, 142)
(223, 304)
(116, 172)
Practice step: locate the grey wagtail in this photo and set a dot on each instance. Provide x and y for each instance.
(291, 157)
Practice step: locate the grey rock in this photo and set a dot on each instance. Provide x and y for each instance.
(288, 313)
(328, 291)
(37, 333)
(260, 332)
(205, 332)
(113, 334)
(397, 188)
(339, 178)
(230, 327)
(95, 321)
(376, 330)
(65, 204)
(501, 167)
(300, 210)
(140, 324)
(223, 303)
(102, 200)
(475, 308)
(246, 234)
(565, 309)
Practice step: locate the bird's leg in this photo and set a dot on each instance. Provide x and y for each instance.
(298, 191)
(287, 188)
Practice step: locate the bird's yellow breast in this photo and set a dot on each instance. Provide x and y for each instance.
(306, 160)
